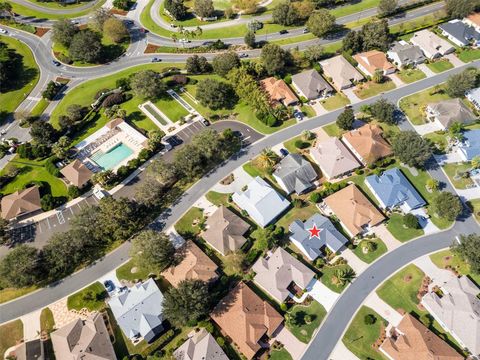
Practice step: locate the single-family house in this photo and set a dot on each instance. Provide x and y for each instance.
(460, 33)
(474, 97)
(21, 202)
(279, 272)
(411, 340)
(404, 54)
(200, 345)
(28, 350)
(367, 143)
(473, 20)
(278, 91)
(311, 85)
(312, 246)
(432, 45)
(225, 230)
(192, 265)
(457, 310)
(333, 158)
(445, 113)
(261, 202)
(341, 72)
(370, 62)
(77, 173)
(83, 339)
(355, 212)
(295, 174)
(469, 147)
(393, 190)
(138, 311)
(246, 318)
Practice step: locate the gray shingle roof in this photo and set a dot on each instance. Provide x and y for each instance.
(408, 53)
(296, 173)
(311, 83)
(449, 111)
(311, 246)
(460, 31)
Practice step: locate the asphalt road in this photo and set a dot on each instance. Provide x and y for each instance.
(43, 297)
(47, 10)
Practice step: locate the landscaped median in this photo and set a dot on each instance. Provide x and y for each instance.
(29, 12)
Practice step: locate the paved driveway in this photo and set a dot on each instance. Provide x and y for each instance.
(294, 346)
(323, 295)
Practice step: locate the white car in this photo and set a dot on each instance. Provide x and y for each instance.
(184, 40)
(3, 31)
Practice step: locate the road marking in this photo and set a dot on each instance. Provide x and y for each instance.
(71, 211)
(60, 217)
(48, 222)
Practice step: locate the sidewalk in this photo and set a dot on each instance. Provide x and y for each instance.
(342, 353)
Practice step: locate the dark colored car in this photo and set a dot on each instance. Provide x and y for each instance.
(174, 140)
(205, 122)
(284, 152)
(283, 32)
(155, 59)
(56, 63)
(109, 285)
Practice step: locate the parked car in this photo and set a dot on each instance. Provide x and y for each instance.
(99, 193)
(305, 31)
(109, 285)
(298, 115)
(129, 22)
(133, 7)
(184, 40)
(205, 121)
(243, 55)
(155, 59)
(3, 31)
(173, 140)
(283, 32)
(283, 152)
(74, 22)
(56, 63)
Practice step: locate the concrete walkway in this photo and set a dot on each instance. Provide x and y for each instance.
(382, 232)
(294, 346)
(31, 325)
(342, 353)
(241, 178)
(351, 95)
(207, 206)
(438, 276)
(427, 128)
(382, 308)
(454, 60)
(426, 70)
(396, 80)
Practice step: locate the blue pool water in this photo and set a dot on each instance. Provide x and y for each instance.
(112, 157)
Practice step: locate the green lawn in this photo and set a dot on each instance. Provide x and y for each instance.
(92, 298)
(328, 274)
(440, 66)
(33, 170)
(475, 207)
(369, 257)
(217, 198)
(414, 105)
(445, 258)
(400, 291)
(400, 232)
(360, 337)
(334, 102)
(281, 354)
(294, 213)
(47, 323)
(454, 169)
(40, 107)
(252, 170)
(8, 294)
(411, 75)
(188, 225)
(58, 6)
(290, 144)
(171, 108)
(25, 11)
(333, 130)
(468, 54)
(299, 327)
(124, 272)
(11, 99)
(354, 8)
(10, 335)
(439, 139)
(369, 89)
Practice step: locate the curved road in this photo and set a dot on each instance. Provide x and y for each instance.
(47, 10)
(46, 296)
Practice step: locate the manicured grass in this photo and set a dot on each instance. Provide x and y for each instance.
(369, 89)
(411, 75)
(217, 198)
(40, 107)
(334, 102)
(11, 99)
(439, 139)
(333, 130)
(294, 39)
(354, 8)
(369, 257)
(252, 170)
(475, 207)
(171, 107)
(246, 115)
(294, 213)
(468, 55)
(58, 6)
(10, 335)
(47, 323)
(400, 291)
(281, 354)
(328, 273)
(414, 105)
(308, 111)
(124, 272)
(185, 226)
(300, 328)
(400, 232)
(31, 170)
(92, 298)
(454, 169)
(290, 144)
(445, 258)
(440, 66)
(8, 294)
(25, 11)
(360, 337)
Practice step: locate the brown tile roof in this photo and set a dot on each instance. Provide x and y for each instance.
(77, 173)
(246, 318)
(417, 342)
(225, 231)
(195, 265)
(474, 18)
(115, 122)
(354, 209)
(373, 60)
(278, 91)
(20, 202)
(368, 142)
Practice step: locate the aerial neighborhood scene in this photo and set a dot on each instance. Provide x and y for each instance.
(239, 179)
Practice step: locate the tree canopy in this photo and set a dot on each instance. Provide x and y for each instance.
(459, 84)
(321, 22)
(225, 62)
(411, 149)
(203, 8)
(176, 8)
(153, 250)
(469, 251)
(387, 7)
(345, 119)
(147, 84)
(374, 35)
(115, 29)
(384, 111)
(460, 8)
(274, 59)
(20, 267)
(86, 45)
(197, 65)
(447, 205)
(63, 31)
(285, 14)
(215, 94)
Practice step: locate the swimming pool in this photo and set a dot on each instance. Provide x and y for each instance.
(110, 159)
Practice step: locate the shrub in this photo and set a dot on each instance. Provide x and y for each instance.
(298, 203)
(369, 319)
(315, 197)
(51, 168)
(283, 307)
(411, 221)
(123, 171)
(270, 120)
(221, 341)
(73, 192)
(113, 99)
(299, 144)
(123, 83)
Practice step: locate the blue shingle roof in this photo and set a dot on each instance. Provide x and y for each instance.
(393, 189)
(471, 144)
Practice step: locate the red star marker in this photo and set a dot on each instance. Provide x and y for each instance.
(314, 231)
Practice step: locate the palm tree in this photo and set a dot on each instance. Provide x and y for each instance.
(344, 276)
(198, 31)
(174, 38)
(267, 158)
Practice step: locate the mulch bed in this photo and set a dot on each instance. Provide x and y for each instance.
(41, 31)
(151, 49)
(62, 80)
(118, 12)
